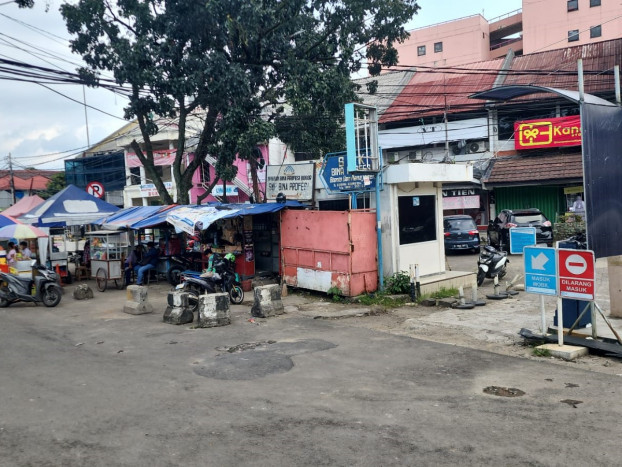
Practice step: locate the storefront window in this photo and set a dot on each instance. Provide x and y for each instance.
(417, 219)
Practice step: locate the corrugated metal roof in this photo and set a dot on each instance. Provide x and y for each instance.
(389, 86)
(425, 94)
(538, 168)
(562, 63)
(430, 91)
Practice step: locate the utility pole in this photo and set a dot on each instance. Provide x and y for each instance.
(12, 180)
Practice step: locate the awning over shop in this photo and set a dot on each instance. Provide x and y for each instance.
(191, 218)
(124, 218)
(156, 219)
(529, 170)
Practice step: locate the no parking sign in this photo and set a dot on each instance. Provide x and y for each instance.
(95, 189)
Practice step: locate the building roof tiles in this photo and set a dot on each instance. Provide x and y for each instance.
(534, 169)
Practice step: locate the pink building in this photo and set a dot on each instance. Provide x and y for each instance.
(539, 26)
(238, 191)
(558, 24)
(465, 40)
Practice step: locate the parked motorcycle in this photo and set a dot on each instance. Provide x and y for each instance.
(181, 263)
(224, 279)
(491, 263)
(43, 288)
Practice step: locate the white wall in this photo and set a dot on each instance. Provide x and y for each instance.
(430, 256)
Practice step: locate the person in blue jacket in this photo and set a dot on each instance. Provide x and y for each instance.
(150, 261)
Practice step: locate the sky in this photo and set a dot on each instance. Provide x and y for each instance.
(40, 128)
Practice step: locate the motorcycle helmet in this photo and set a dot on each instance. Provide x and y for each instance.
(230, 257)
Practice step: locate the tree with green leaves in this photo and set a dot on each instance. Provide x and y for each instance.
(250, 69)
(57, 183)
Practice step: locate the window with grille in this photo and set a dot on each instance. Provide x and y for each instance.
(421, 50)
(438, 47)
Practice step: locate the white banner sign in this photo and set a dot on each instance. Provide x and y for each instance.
(149, 189)
(231, 190)
(461, 202)
(295, 181)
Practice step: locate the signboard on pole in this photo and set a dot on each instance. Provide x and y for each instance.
(95, 189)
(540, 270)
(576, 274)
(336, 178)
(520, 237)
(295, 181)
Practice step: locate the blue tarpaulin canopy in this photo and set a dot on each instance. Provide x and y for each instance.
(124, 218)
(189, 218)
(155, 219)
(71, 206)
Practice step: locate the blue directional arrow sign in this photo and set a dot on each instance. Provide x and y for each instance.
(540, 270)
(520, 237)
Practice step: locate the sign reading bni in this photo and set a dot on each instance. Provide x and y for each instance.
(336, 178)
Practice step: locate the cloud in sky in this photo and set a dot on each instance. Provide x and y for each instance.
(40, 127)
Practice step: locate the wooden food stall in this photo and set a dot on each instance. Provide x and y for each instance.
(108, 252)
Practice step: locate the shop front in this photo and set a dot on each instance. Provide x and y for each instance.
(468, 200)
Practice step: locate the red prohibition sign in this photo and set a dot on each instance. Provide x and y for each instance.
(95, 189)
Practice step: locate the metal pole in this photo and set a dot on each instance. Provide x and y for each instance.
(616, 78)
(593, 318)
(560, 322)
(379, 232)
(581, 82)
(417, 283)
(86, 118)
(413, 295)
(543, 314)
(12, 179)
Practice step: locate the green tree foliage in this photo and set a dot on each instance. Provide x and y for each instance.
(56, 184)
(235, 63)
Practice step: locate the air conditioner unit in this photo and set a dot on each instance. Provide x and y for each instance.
(473, 147)
(415, 156)
(393, 157)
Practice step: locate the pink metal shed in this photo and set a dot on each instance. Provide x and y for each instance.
(325, 249)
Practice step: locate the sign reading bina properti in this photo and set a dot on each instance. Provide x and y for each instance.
(295, 181)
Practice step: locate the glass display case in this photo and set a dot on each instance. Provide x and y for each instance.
(108, 252)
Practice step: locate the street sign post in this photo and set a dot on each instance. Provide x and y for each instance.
(541, 275)
(337, 179)
(540, 270)
(95, 189)
(520, 237)
(576, 274)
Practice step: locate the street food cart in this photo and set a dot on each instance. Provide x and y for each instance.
(108, 252)
(58, 255)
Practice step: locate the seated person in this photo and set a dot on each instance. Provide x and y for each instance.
(149, 261)
(133, 260)
(24, 250)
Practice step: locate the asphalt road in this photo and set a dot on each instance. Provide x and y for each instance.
(85, 384)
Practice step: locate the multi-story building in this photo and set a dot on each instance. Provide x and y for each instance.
(539, 26)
